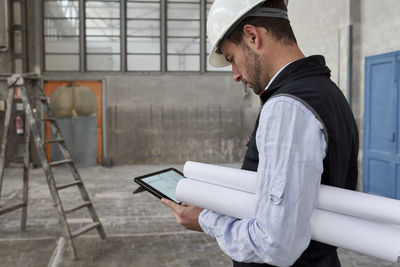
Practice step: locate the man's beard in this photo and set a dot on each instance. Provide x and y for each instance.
(254, 70)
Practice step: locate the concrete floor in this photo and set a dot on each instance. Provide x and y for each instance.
(140, 230)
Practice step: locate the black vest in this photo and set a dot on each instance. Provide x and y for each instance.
(307, 80)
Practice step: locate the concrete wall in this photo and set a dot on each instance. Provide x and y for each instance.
(324, 28)
(379, 33)
(172, 118)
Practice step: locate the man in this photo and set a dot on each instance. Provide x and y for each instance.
(305, 135)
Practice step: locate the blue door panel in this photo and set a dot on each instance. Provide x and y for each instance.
(381, 159)
(397, 89)
(381, 121)
(381, 178)
(397, 181)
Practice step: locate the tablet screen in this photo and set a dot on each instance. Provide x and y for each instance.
(164, 182)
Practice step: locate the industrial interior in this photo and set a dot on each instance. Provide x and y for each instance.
(127, 89)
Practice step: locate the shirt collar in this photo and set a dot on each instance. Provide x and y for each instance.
(273, 77)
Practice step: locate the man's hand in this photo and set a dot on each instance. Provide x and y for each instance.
(185, 214)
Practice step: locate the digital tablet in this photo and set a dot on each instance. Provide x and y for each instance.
(162, 184)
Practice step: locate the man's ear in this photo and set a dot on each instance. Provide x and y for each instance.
(252, 36)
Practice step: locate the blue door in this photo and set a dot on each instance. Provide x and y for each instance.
(381, 149)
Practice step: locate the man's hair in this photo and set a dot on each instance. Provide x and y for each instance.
(279, 28)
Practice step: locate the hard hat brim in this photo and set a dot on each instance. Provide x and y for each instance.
(216, 59)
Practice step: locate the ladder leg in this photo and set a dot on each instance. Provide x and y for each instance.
(64, 150)
(48, 172)
(47, 166)
(71, 249)
(26, 175)
(7, 119)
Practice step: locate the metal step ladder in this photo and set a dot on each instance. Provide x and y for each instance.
(18, 81)
(24, 203)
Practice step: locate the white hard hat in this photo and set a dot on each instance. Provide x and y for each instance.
(225, 15)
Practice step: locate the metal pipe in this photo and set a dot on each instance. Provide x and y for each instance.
(163, 39)
(82, 36)
(24, 48)
(6, 27)
(123, 39)
(350, 65)
(203, 49)
(339, 55)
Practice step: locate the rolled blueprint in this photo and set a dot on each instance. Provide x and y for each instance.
(367, 237)
(331, 198)
(359, 204)
(223, 200)
(228, 177)
(373, 238)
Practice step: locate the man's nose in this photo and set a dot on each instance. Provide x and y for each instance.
(237, 77)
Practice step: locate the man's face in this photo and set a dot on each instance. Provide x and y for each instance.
(246, 66)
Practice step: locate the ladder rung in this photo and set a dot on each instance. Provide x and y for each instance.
(15, 207)
(84, 229)
(85, 204)
(57, 140)
(55, 163)
(68, 185)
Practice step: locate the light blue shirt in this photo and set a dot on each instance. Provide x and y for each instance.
(291, 145)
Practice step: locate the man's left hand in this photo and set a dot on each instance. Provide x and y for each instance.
(185, 214)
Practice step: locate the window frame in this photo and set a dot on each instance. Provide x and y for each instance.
(123, 37)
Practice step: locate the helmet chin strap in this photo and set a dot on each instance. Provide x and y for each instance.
(266, 12)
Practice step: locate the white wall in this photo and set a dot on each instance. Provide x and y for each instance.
(379, 33)
(322, 27)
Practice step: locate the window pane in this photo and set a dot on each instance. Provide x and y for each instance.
(143, 63)
(183, 63)
(103, 27)
(61, 9)
(143, 45)
(183, 11)
(102, 45)
(143, 28)
(61, 27)
(103, 62)
(62, 45)
(183, 28)
(62, 62)
(143, 10)
(98, 9)
(183, 45)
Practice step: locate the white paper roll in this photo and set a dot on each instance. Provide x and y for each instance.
(331, 198)
(222, 200)
(367, 237)
(359, 204)
(228, 177)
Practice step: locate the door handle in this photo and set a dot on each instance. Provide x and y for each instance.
(392, 137)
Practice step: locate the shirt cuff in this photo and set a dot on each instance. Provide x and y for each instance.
(206, 219)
